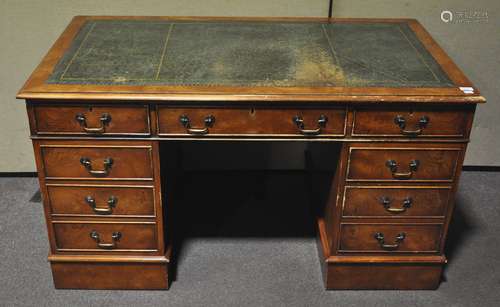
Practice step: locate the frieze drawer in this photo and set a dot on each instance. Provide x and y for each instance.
(296, 122)
(91, 120)
(406, 122)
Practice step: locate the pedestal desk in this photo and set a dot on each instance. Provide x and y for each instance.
(112, 89)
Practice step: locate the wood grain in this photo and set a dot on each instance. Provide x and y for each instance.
(111, 275)
(75, 236)
(130, 201)
(419, 238)
(251, 121)
(383, 276)
(63, 162)
(381, 122)
(434, 164)
(61, 119)
(367, 201)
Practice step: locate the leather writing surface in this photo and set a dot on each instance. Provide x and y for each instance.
(154, 52)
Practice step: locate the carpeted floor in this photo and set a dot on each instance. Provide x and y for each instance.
(252, 255)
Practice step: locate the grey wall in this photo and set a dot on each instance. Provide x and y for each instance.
(29, 27)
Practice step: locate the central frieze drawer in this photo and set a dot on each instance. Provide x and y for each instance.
(405, 163)
(97, 162)
(91, 120)
(390, 238)
(111, 236)
(298, 122)
(101, 201)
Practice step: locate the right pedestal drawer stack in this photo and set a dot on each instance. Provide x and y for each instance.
(387, 222)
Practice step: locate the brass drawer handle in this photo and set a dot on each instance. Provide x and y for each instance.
(209, 122)
(112, 200)
(105, 119)
(386, 202)
(400, 121)
(393, 166)
(381, 241)
(114, 237)
(87, 163)
(299, 121)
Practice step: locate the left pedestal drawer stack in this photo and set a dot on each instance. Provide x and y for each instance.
(102, 198)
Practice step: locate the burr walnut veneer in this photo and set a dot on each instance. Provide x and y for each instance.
(112, 89)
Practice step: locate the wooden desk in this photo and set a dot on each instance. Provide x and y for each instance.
(112, 88)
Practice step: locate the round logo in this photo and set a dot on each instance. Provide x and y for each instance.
(446, 16)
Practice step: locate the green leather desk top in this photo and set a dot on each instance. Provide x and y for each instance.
(248, 53)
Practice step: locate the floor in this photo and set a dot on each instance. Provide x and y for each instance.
(252, 255)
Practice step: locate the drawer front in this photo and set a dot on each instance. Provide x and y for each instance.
(92, 120)
(393, 238)
(101, 201)
(403, 201)
(251, 121)
(407, 123)
(97, 162)
(402, 164)
(106, 237)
